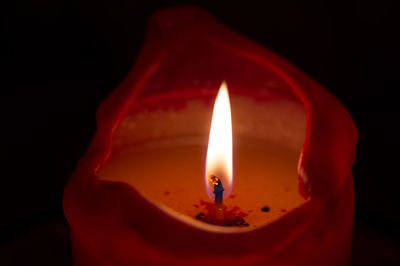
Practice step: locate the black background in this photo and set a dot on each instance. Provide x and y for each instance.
(60, 59)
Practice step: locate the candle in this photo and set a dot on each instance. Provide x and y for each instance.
(140, 194)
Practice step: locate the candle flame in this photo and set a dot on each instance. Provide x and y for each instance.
(219, 152)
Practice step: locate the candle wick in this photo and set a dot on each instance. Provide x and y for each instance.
(218, 192)
(218, 189)
(218, 197)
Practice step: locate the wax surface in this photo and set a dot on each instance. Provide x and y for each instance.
(173, 176)
(169, 170)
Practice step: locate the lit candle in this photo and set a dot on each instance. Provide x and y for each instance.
(141, 194)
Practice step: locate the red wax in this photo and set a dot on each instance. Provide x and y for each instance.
(187, 49)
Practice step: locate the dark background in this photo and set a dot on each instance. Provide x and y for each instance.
(61, 59)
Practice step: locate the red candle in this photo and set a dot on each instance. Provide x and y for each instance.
(187, 53)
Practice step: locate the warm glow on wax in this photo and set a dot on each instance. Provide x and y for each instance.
(219, 152)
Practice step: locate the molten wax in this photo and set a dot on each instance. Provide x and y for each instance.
(167, 167)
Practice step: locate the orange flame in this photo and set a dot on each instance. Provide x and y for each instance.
(219, 152)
